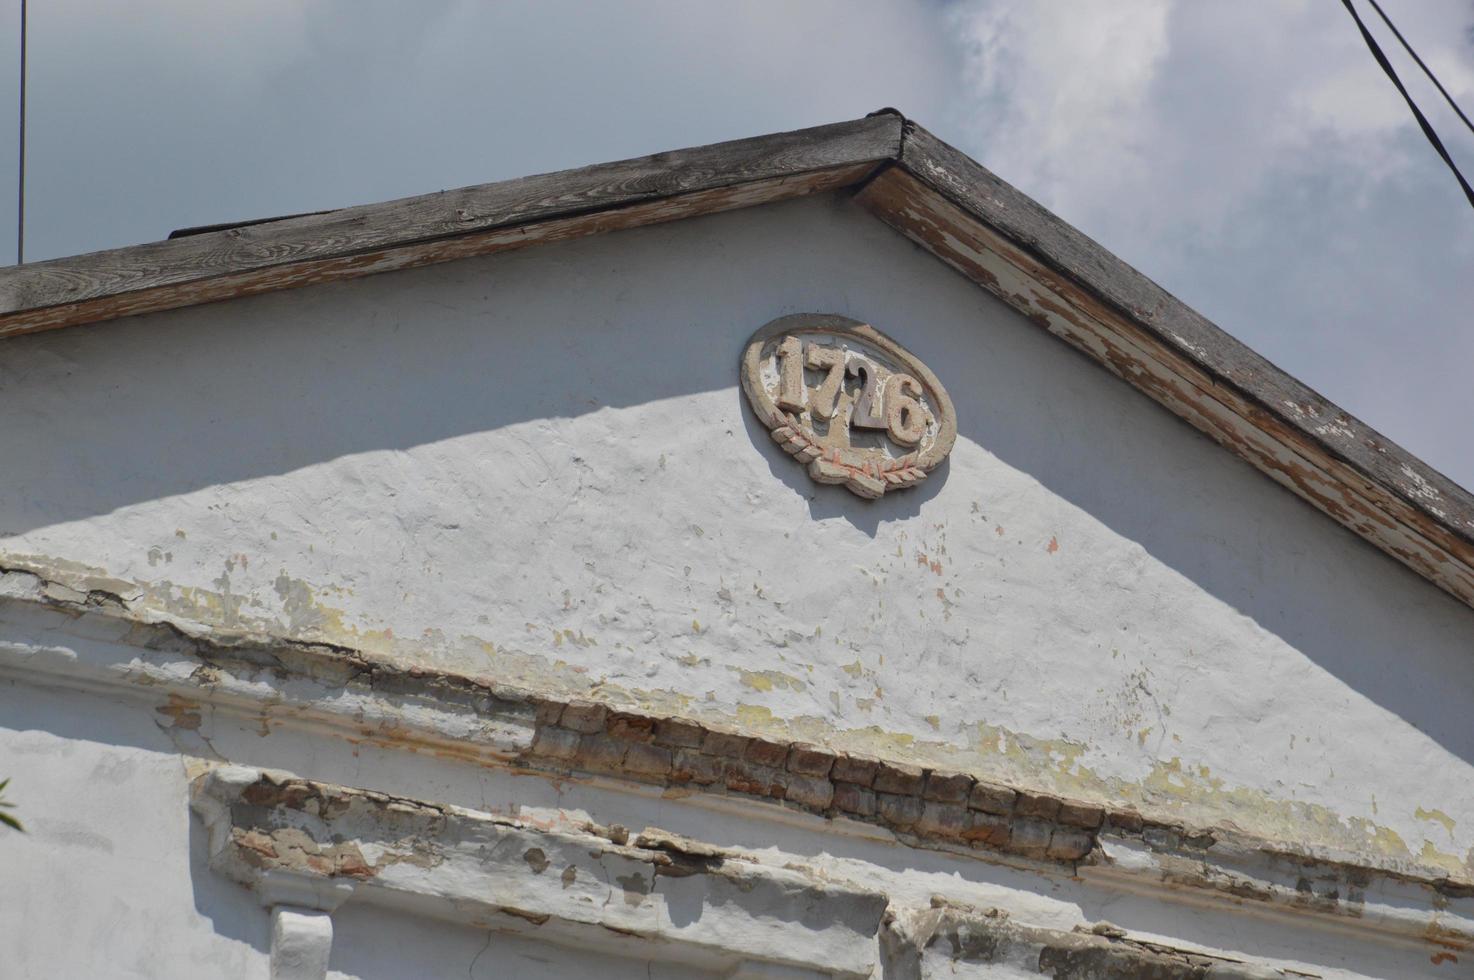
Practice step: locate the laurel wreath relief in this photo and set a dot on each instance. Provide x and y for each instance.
(899, 472)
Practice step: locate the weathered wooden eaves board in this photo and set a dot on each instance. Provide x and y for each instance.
(930, 192)
(1075, 289)
(439, 227)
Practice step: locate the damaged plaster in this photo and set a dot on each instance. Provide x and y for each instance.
(1091, 600)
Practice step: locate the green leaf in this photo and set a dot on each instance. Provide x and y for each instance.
(5, 818)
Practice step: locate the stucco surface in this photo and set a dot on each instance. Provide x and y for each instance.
(114, 872)
(539, 467)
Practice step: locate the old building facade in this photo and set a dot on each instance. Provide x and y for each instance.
(797, 557)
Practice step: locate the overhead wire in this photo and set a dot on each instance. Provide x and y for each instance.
(1426, 70)
(20, 188)
(1391, 72)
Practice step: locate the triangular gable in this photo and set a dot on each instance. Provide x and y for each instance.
(935, 195)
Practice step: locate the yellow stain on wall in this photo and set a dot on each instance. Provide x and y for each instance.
(1170, 789)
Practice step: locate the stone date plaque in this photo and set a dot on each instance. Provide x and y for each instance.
(849, 402)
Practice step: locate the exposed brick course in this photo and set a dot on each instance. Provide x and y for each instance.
(853, 799)
(1030, 837)
(987, 828)
(991, 799)
(1128, 821)
(724, 744)
(648, 760)
(693, 767)
(548, 712)
(584, 716)
(673, 733)
(857, 769)
(632, 728)
(900, 778)
(948, 787)
(943, 819)
(1067, 844)
(766, 753)
(556, 743)
(600, 753)
(810, 760)
(1036, 805)
(810, 791)
(1081, 815)
(899, 811)
(746, 777)
(906, 798)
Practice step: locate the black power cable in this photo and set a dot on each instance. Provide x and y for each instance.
(1426, 70)
(20, 181)
(1376, 50)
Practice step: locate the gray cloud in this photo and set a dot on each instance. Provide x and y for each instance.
(1254, 160)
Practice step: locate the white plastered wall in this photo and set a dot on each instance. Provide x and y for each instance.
(538, 467)
(111, 878)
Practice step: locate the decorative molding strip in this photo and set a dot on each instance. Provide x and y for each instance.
(354, 695)
(946, 939)
(602, 888)
(679, 899)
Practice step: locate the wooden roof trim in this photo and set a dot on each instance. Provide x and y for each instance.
(437, 227)
(1076, 289)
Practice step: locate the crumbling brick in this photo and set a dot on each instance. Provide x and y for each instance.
(766, 753)
(724, 744)
(548, 712)
(756, 780)
(1069, 844)
(991, 798)
(857, 769)
(600, 752)
(943, 819)
(810, 760)
(987, 828)
(899, 811)
(676, 734)
(809, 791)
(584, 716)
(693, 767)
(1035, 805)
(1128, 821)
(1030, 837)
(648, 760)
(854, 799)
(631, 728)
(900, 778)
(555, 743)
(947, 787)
(1081, 815)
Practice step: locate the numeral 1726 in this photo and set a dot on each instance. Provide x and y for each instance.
(889, 401)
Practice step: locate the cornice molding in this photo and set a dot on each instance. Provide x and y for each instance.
(190, 675)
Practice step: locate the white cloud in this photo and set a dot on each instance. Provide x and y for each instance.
(1202, 103)
(1055, 89)
(1254, 159)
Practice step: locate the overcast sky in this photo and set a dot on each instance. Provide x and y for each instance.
(1249, 156)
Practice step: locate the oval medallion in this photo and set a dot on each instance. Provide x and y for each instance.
(844, 398)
